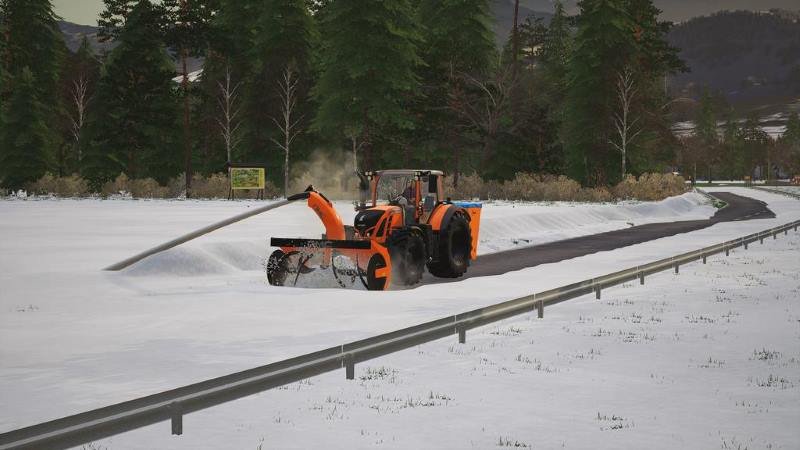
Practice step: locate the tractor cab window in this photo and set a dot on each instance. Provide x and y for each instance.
(395, 189)
(428, 194)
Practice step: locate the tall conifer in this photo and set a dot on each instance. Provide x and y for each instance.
(368, 72)
(133, 126)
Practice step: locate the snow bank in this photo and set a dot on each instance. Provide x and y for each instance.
(510, 225)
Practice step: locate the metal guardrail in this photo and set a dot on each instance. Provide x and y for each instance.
(174, 404)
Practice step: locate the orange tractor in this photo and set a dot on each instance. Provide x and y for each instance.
(403, 224)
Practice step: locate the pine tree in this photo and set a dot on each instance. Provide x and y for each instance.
(755, 141)
(231, 39)
(790, 142)
(706, 121)
(458, 43)
(367, 72)
(792, 133)
(652, 61)
(555, 56)
(25, 134)
(32, 50)
(730, 156)
(133, 126)
(33, 40)
(284, 40)
(603, 45)
(187, 32)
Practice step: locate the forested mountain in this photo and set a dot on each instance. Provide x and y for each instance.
(74, 34)
(745, 56)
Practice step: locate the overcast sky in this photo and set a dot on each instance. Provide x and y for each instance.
(86, 11)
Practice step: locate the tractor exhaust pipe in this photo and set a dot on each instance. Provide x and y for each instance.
(363, 190)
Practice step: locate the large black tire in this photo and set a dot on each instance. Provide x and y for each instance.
(373, 282)
(277, 268)
(407, 250)
(455, 246)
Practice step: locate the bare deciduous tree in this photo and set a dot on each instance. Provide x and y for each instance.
(287, 123)
(79, 93)
(626, 91)
(228, 123)
(484, 108)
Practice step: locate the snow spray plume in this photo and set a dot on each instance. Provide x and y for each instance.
(329, 172)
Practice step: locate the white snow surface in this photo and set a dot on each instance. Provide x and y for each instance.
(75, 338)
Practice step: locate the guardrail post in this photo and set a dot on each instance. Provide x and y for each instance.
(349, 367)
(540, 308)
(462, 335)
(745, 245)
(677, 269)
(641, 278)
(704, 258)
(761, 238)
(786, 232)
(176, 418)
(775, 235)
(597, 292)
(727, 251)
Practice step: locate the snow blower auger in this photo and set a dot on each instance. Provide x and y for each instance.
(405, 227)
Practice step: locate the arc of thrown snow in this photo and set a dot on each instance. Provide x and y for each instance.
(195, 234)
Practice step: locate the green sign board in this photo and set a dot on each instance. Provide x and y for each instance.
(247, 178)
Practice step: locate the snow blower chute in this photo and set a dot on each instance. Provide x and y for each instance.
(406, 226)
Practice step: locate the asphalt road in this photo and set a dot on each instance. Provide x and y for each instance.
(739, 208)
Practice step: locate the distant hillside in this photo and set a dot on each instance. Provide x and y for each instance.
(503, 12)
(74, 34)
(745, 56)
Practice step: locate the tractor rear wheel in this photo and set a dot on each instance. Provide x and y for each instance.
(407, 250)
(455, 246)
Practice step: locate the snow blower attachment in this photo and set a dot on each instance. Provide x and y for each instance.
(405, 227)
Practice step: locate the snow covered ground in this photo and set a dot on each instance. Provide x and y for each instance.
(788, 189)
(75, 338)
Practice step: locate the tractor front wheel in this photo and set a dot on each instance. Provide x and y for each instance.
(277, 268)
(408, 255)
(373, 282)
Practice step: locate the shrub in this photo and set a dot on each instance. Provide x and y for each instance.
(534, 187)
(177, 186)
(538, 187)
(120, 186)
(71, 186)
(650, 186)
(215, 186)
(147, 188)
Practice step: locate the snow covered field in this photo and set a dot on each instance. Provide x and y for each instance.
(76, 338)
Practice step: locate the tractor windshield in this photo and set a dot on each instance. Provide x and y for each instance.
(391, 187)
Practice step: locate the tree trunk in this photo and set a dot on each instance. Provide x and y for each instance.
(187, 145)
(515, 40)
(286, 173)
(354, 141)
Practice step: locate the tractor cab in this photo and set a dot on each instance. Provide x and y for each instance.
(417, 192)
